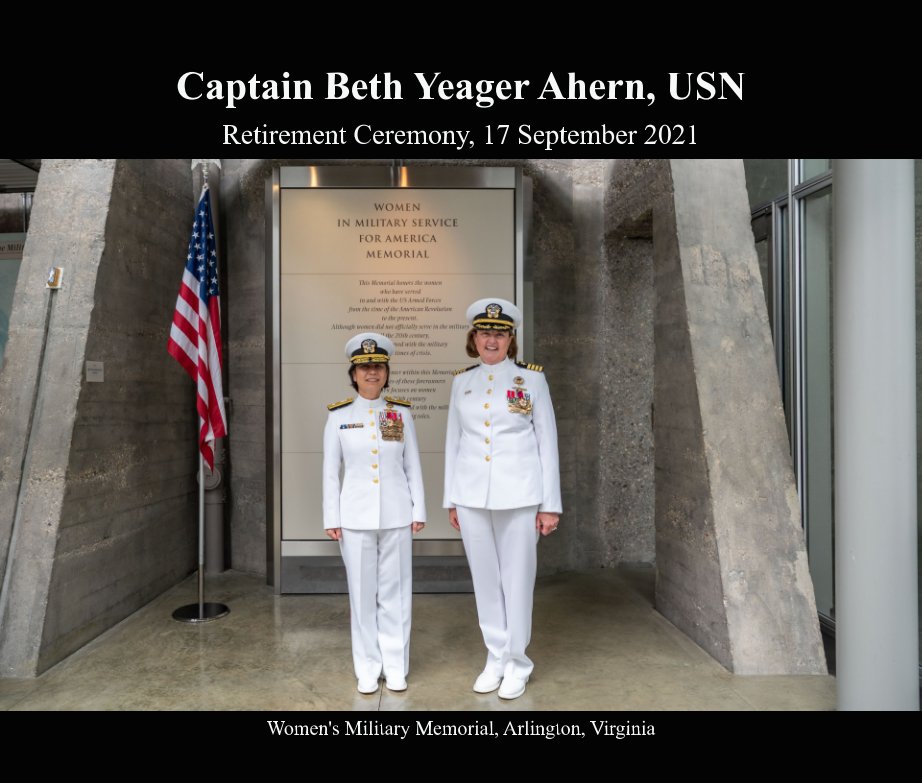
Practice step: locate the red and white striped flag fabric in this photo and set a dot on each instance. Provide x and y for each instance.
(195, 337)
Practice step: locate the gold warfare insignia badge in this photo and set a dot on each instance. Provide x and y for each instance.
(369, 346)
(518, 380)
(493, 310)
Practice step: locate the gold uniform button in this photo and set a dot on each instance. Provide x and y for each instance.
(374, 481)
(371, 411)
(488, 458)
(490, 377)
(486, 424)
(374, 451)
(489, 391)
(374, 437)
(486, 405)
(487, 440)
(375, 465)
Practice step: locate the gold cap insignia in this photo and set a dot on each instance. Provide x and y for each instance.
(518, 380)
(369, 346)
(493, 310)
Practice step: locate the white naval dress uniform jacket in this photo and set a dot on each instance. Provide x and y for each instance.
(495, 458)
(382, 483)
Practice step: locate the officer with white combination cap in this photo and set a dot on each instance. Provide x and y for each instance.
(372, 509)
(502, 486)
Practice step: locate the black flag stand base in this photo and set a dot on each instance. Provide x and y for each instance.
(201, 612)
(193, 613)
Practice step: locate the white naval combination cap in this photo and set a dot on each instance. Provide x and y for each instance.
(368, 348)
(499, 314)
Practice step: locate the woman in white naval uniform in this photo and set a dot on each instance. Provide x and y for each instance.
(502, 486)
(372, 511)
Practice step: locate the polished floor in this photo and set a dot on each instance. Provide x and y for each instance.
(598, 644)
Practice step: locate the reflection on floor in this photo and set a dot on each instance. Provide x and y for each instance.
(598, 644)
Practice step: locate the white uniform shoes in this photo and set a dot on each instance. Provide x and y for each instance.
(368, 685)
(512, 687)
(393, 684)
(487, 682)
(396, 683)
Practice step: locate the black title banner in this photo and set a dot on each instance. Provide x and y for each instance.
(597, 111)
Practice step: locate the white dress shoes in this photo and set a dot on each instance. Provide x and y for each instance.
(512, 687)
(396, 683)
(487, 682)
(368, 685)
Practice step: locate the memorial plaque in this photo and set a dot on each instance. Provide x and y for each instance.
(402, 261)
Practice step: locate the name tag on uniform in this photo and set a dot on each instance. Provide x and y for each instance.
(351, 426)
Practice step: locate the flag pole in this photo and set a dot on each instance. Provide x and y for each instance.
(201, 535)
(202, 612)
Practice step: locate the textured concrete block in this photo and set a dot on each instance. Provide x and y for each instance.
(730, 550)
(98, 494)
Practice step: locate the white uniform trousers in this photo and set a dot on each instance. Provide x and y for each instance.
(379, 570)
(502, 552)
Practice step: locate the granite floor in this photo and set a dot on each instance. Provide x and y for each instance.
(598, 644)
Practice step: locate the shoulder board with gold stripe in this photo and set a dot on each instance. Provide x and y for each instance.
(535, 367)
(394, 400)
(334, 405)
(472, 367)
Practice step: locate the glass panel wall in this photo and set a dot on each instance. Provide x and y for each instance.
(812, 167)
(816, 265)
(784, 335)
(766, 180)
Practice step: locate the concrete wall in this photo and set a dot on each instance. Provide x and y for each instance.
(97, 490)
(731, 562)
(565, 249)
(243, 211)
(593, 336)
(689, 587)
(626, 476)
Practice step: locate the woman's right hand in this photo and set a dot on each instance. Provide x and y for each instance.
(453, 519)
(336, 533)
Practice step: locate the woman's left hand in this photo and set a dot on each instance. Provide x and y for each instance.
(547, 523)
(417, 526)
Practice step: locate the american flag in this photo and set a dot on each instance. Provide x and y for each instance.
(195, 337)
